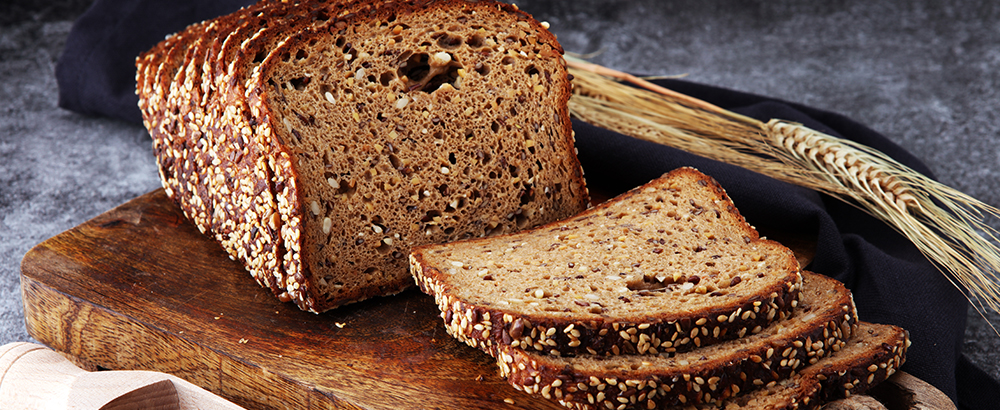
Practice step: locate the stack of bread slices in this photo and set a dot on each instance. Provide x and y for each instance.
(318, 140)
(664, 296)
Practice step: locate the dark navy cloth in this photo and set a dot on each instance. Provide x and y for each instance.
(891, 281)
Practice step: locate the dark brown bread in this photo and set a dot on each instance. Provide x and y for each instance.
(822, 323)
(667, 267)
(874, 353)
(253, 38)
(322, 200)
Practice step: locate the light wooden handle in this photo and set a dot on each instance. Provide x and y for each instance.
(35, 377)
(32, 376)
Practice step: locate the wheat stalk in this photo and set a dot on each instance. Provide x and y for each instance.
(946, 225)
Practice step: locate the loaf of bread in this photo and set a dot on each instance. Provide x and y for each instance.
(667, 267)
(822, 323)
(318, 141)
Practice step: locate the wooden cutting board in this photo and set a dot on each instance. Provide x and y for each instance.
(139, 288)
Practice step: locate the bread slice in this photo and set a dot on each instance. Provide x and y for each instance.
(254, 34)
(821, 325)
(322, 200)
(873, 355)
(666, 267)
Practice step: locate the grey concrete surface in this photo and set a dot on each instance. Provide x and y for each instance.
(924, 73)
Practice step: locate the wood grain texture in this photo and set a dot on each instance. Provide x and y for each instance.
(903, 391)
(855, 403)
(139, 288)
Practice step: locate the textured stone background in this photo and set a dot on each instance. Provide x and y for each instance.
(924, 73)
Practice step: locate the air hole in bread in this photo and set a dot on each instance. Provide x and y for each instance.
(383, 247)
(322, 15)
(447, 41)
(299, 83)
(430, 216)
(386, 78)
(527, 196)
(415, 67)
(448, 76)
(482, 69)
(345, 187)
(474, 41)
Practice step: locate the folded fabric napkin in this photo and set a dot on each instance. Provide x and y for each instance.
(892, 282)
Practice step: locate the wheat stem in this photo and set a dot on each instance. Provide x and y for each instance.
(945, 225)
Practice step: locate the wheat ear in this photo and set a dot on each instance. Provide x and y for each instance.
(946, 225)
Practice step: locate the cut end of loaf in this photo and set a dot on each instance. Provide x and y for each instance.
(453, 125)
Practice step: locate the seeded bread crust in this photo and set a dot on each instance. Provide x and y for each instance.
(239, 179)
(243, 52)
(168, 129)
(823, 322)
(873, 355)
(225, 192)
(612, 327)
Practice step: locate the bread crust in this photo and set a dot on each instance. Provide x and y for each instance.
(828, 320)
(874, 353)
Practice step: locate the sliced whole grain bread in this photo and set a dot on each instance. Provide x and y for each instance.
(872, 355)
(667, 267)
(319, 177)
(821, 324)
(252, 40)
